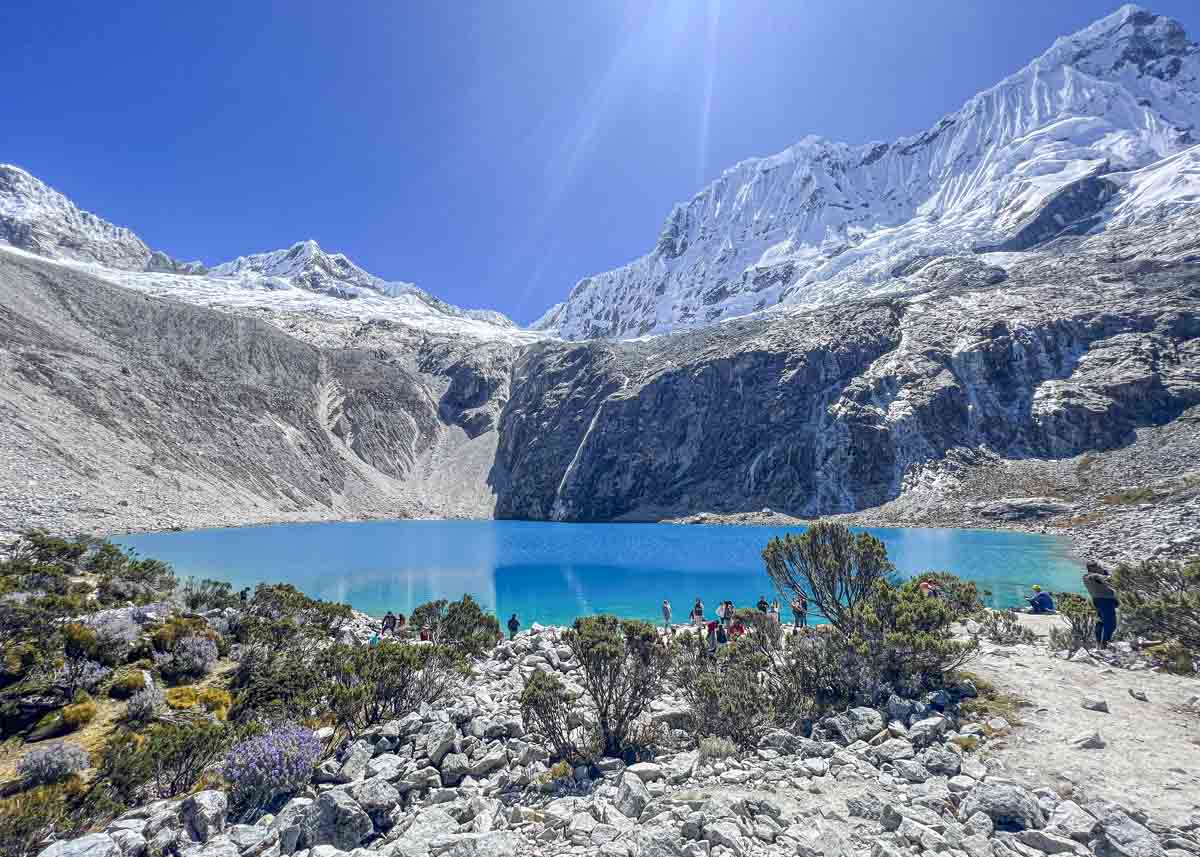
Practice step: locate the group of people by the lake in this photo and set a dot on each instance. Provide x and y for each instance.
(729, 626)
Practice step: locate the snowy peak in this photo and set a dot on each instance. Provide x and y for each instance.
(1017, 165)
(39, 219)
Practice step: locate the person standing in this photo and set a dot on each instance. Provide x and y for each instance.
(698, 613)
(773, 613)
(389, 623)
(666, 610)
(800, 611)
(1098, 581)
(514, 625)
(762, 604)
(721, 612)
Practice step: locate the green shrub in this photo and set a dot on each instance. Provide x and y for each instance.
(216, 701)
(883, 637)
(168, 759)
(961, 596)
(1080, 632)
(208, 594)
(79, 713)
(371, 684)
(281, 616)
(126, 683)
(714, 749)
(728, 696)
(547, 711)
(623, 666)
(837, 569)
(1003, 626)
(461, 624)
(32, 816)
(277, 684)
(1161, 600)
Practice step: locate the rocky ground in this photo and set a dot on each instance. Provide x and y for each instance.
(1083, 768)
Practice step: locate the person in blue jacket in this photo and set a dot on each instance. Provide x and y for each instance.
(1041, 602)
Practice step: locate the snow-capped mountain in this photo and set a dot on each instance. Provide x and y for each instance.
(35, 218)
(1057, 147)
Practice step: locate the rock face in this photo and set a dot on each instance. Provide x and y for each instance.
(838, 409)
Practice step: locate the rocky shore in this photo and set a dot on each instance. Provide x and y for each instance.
(918, 776)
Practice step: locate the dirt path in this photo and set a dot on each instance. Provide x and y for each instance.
(1152, 755)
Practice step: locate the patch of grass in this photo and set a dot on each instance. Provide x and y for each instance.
(992, 702)
(1130, 497)
(1086, 519)
(182, 697)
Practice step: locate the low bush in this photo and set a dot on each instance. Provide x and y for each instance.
(1003, 626)
(715, 749)
(961, 596)
(1161, 600)
(462, 624)
(365, 685)
(28, 819)
(126, 683)
(191, 658)
(208, 594)
(1080, 632)
(548, 712)
(623, 666)
(79, 713)
(263, 769)
(145, 705)
(52, 764)
(727, 696)
(166, 760)
(182, 698)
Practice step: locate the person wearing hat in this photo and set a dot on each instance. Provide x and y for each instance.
(1041, 602)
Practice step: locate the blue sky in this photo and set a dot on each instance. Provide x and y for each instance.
(492, 152)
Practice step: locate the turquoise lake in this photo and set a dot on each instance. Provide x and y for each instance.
(551, 573)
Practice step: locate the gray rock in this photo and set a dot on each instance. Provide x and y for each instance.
(203, 814)
(93, 845)
(289, 823)
(912, 771)
(1071, 820)
(979, 824)
(1095, 703)
(893, 750)
(1088, 741)
(389, 766)
(378, 798)
(455, 766)
(1009, 806)
(1118, 835)
(354, 765)
(865, 805)
(632, 796)
(941, 761)
(857, 724)
(1049, 843)
(131, 843)
(441, 741)
(648, 771)
(495, 759)
(336, 819)
(496, 843)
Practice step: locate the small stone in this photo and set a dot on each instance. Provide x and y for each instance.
(1088, 741)
(1095, 703)
(1139, 695)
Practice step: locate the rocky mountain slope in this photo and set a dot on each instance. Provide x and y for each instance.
(1047, 151)
(1048, 316)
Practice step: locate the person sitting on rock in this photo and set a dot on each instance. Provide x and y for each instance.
(514, 625)
(1041, 602)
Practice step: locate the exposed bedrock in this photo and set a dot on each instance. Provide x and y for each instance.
(830, 411)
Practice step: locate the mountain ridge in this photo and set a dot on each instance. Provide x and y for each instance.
(822, 219)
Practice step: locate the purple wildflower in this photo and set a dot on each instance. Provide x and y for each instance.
(276, 763)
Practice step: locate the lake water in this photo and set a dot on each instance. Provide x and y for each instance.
(551, 573)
